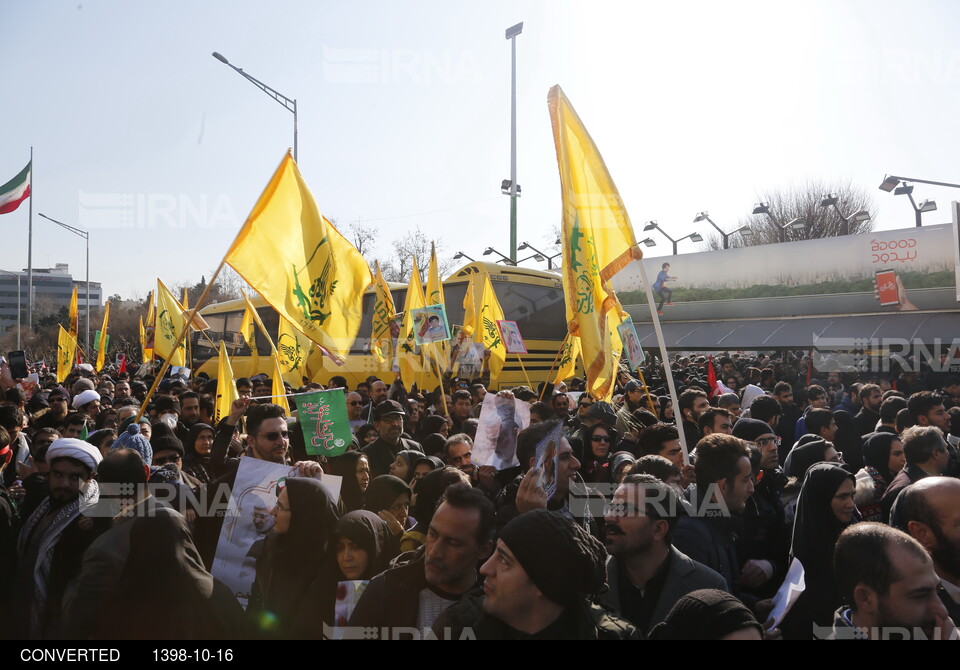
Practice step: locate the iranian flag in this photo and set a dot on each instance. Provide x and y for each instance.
(15, 191)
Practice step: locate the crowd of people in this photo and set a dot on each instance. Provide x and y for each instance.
(666, 522)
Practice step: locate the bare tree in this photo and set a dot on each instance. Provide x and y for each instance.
(363, 236)
(804, 204)
(399, 265)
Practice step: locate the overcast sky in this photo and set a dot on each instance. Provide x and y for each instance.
(161, 150)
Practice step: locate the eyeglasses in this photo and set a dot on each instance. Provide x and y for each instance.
(355, 402)
(166, 459)
(769, 440)
(275, 435)
(600, 438)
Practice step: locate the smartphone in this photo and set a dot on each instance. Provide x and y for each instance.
(887, 288)
(18, 364)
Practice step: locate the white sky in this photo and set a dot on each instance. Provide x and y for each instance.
(404, 115)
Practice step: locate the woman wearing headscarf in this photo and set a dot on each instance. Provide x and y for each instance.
(708, 614)
(354, 469)
(196, 452)
(389, 498)
(402, 465)
(362, 548)
(847, 440)
(429, 490)
(621, 465)
(808, 451)
(824, 509)
(433, 423)
(291, 570)
(665, 411)
(596, 454)
(164, 592)
(883, 458)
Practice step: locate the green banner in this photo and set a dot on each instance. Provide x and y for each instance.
(96, 341)
(326, 427)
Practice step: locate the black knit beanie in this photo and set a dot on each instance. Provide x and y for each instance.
(560, 557)
(708, 614)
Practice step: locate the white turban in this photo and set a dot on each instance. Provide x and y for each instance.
(83, 398)
(71, 447)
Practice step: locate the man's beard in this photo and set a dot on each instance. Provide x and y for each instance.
(946, 553)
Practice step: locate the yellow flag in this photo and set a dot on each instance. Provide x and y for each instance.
(410, 362)
(66, 354)
(301, 264)
(567, 363)
(470, 308)
(226, 386)
(439, 352)
(143, 343)
(170, 323)
(74, 315)
(102, 349)
(488, 313)
(186, 296)
(598, 242)
(293, 349)
(248, 331)
(279, 391)
(384, 312)
(151, 316)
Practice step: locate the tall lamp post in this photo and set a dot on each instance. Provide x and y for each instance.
(831, 199)
(899, 186)
(86, 236)
(506, 259)
(511, 34)
(694, 237)
(460, 255)
(744, 231)
(288, 103)
(543, 256)
(19, 309)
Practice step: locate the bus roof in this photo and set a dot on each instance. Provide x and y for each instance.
(495, 270)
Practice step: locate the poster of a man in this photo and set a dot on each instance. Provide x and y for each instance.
(510, 333)
(430, 324)
(631, 344)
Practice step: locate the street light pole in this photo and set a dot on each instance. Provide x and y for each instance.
(290, 104)
(86, 236)
(511, 34)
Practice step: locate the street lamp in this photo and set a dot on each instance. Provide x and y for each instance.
(506, 259)
(19, 309)
(894, 184)
(288, 104)
(793, 224)
(460, 255)
(703, 216)
(511, 34)
(831, 200)
(543, 255)
(694, 237)
(86, 236)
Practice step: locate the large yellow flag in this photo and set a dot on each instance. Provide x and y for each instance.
(226, 386)
(143, 343)
(567, 363)
(488, 313)
(439, 352)
(279, 391)
(102, 343)
(470, 308)
(170, 322)
(410, 362)
(301, 264)
(74, 314)
(293, 350)
(384, 312)
(66, 354)
(598, 242)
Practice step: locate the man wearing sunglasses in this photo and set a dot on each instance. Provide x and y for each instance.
(354, 407)
(766, 540)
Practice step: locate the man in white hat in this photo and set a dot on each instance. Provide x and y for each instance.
(52, 540)
(87, 403)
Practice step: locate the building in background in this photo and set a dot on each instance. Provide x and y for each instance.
(52, 288)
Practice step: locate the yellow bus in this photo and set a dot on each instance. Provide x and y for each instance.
(532, 298)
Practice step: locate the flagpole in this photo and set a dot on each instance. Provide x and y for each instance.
(30, 252)
(678, 417)
(183, 333)
(525, 376)
(554, 366)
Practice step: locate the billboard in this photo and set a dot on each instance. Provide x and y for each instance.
(919, 258)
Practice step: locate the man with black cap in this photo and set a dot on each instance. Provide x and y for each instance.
(528, 598)
(388, 417)
(632, 400)
(766, 541)
(59, 401)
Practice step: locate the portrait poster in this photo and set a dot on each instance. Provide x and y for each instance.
(430, 324)
(501, 419)
(510, 334)
(631, 344)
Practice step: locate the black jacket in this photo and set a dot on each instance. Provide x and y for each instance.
(467, 620)
(381, 454)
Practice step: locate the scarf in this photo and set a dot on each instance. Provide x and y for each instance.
(41, 571)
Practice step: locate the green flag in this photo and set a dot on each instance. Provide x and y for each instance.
(326, 427)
